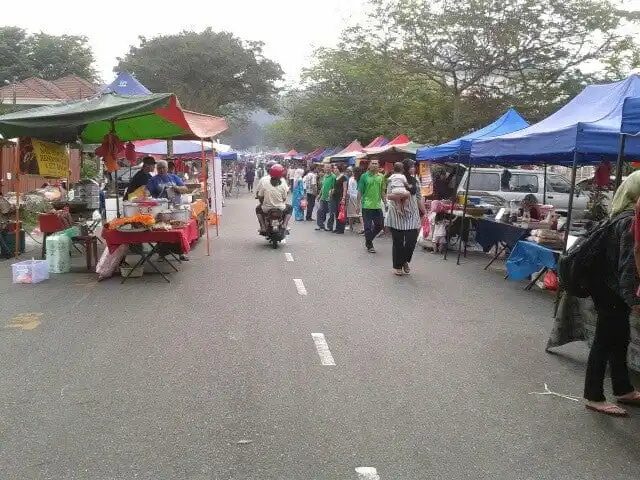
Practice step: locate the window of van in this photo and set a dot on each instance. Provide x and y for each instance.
(485, 181)
(558, 184)
(523, 182)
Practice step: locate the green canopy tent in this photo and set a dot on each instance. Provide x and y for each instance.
(129, 117)
(132, 117)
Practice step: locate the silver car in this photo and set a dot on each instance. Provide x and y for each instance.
(493, 183)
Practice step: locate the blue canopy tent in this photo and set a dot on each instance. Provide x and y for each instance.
(459, 148)
(629, 126)
(585, 131)
(126, 84)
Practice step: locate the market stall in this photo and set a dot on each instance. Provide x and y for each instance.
(113, 119)
(459, 151)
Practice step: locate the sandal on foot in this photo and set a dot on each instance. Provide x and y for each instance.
(632, 399)
(397, 271)
(406, 268)
(607, 409)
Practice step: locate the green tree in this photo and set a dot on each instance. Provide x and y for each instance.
(530, 51)
(214, 72)
(43, 55)
(355, 91)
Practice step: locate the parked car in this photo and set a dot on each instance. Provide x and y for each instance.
(486, 183)
(123, 178)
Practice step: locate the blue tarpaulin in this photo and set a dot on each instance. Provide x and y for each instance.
(126, 84)
(460, 148)
(589, 125)
(528, 258)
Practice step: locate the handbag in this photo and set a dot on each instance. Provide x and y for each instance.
(342, 213)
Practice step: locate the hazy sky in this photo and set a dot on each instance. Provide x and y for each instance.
(289, 28)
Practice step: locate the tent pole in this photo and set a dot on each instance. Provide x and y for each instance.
(618, 180)
(464, 212)
(17, 174)
(453, 202)
(206, 198)
(571, 194)
(544, 190)
(215, 190)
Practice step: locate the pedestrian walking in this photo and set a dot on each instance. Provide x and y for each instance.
(404, 224)
(327, 184)
(352, 197)
(250, 175)
(371, 195)
(310, 181)
(297, 195)
(339, 195)
(615, 298)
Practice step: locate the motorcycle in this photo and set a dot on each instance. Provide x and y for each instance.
(275, 227)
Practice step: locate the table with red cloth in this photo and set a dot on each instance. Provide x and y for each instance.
(154, 238)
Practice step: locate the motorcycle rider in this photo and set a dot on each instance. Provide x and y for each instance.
(264, 181)
(273, 196)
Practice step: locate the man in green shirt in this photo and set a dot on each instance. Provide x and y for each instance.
(371, 194)
(328, 181)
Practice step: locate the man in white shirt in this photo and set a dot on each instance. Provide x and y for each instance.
(291, 174)
(270, 196)
(310, 181)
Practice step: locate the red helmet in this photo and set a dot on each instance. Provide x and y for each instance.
(277, 171)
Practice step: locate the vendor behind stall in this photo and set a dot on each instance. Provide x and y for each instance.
(166, 185)
(141, 179)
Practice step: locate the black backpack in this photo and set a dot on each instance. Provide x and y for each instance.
(584, 267)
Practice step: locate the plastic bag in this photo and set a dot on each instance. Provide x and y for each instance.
(342, 213)
(303, 204)
(550, 281)
(426, 227)
(110, 261)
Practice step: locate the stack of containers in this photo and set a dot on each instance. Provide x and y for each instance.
(59, 253)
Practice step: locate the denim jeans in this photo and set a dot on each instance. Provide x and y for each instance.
(321, 215)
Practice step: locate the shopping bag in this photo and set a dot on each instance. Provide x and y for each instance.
(342, 214)
(550, 281)
(303, 204)
(426, 227)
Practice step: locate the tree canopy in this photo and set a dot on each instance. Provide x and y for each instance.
(42, 55)
(213, 72)
(435, 70)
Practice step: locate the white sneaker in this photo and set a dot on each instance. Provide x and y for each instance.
(283, 241)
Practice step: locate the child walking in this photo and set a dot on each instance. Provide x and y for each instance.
(439, 226)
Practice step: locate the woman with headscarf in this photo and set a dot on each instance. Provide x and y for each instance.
(404, 228)
(298, 194)
(615, 299)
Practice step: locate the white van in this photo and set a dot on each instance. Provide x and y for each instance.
(488, 183)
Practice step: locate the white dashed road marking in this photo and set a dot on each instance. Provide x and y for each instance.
(300, 286)
(288, 256)
(325, 354)
(367, 473)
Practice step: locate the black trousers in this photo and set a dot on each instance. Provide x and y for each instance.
(609, 346)
(404, 242)
(311, 202)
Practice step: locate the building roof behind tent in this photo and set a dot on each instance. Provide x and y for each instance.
(33, 88)
(126, 84)
(588, 126)
(76, 87)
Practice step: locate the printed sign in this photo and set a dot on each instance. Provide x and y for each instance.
(43, 158)
(426, 181)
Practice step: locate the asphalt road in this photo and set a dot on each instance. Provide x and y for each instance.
(218, 376)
